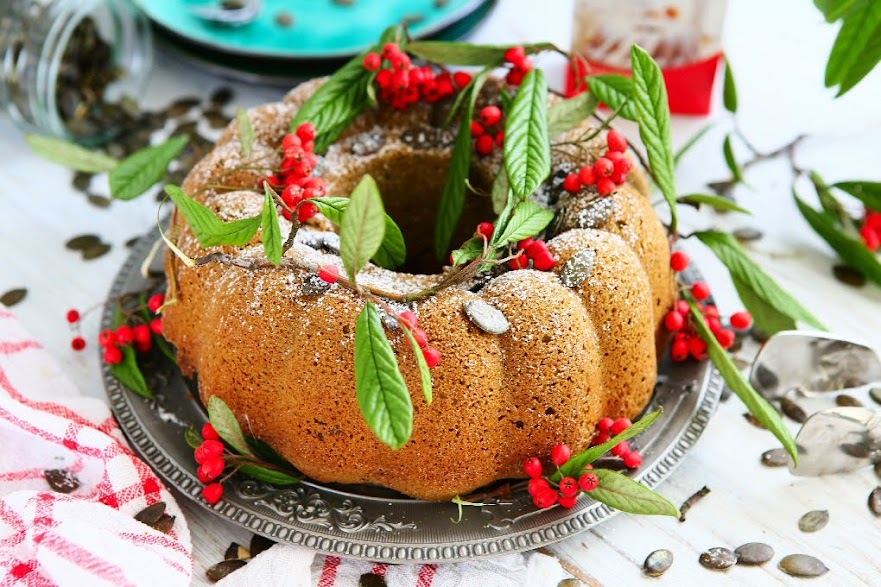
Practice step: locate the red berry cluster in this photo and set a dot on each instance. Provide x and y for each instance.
(686, 340)
(545, 492)
(521, 65)
(487, 130)
(608, 172)
(77, 343)
(210, 456)
(535, 250)
(606, 429)
(401, 84)
(295, 178)
(410, 321)
(140, 335)
(871, 230)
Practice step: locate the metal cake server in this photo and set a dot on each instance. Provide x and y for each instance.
(241, 13)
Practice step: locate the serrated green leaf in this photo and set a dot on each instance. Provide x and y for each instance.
(246, 131)
(616, 91)
(623, 493)
(470, 251)
(567, 114)
(142, 169)
(459, 53)
(730, 160)
(391, 253)
(70, 154)
(575, 465)
(729, 89)
(527, 221)
(424, 371)
(192, 437)
(527, 145)
(208, 228)
(755, 403)
(382, 393)
(227, 426)
(650, 98)
(362, 228)
(857, 48)
(751, 276)
(129, 373)
(270, 476)
(500, 191)
(270, 228)
(696, 137)
(852, 251)
(868, 192)
(765, 316)
(715, 202)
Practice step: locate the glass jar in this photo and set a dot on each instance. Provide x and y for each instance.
(71, 68)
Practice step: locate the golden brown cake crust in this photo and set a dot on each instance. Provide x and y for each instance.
(284, 360)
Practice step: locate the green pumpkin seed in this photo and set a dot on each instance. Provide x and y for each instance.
(718, 559)
(793, 410)
(813, 521)
(844, 400)
(776, 457)
(875, 499)
(657, 563)
(13, 296)
(753, 553)
(802, 565)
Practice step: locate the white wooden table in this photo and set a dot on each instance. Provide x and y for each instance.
(778, 50)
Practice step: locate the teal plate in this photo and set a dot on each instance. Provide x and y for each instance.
(322, 29)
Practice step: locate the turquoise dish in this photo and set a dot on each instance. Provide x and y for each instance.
(321, 29)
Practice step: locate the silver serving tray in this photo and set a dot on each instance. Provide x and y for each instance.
(375, 523)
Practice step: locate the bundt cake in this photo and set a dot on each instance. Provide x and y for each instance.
(277, 346)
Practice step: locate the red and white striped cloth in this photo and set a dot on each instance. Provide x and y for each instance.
(89, 536)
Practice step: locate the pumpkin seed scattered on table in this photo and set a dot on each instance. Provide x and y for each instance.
(13, 296)
(150, 515)
(486, 317)
(61, 480)
(747, 234)
(96, 251)
(224, 568)
(718, 559)
(83, 241)
(875, 499)
(802, 565)
(284, 19)
(165, 523)
(849, 401)
(259, 544)
(657, 562)
(98, 200)
(793, 410)
(776, 457)
(754, 553)
(753, 420)
(236, 551)
(371, 580)
(813, 521)
(875, 394)
(848, 275)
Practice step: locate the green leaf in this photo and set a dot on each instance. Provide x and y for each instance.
(362, 228)
(829, 202)
(527, 146)
(567, 114)
(755, 403)
(527, 221)
(835, 9)
(575, 465)
(70, 154)
(751, 276)
(715, 202)
(227, 426)
(391, 253)
(266, 475)
(470, 251)
(271, 229)
(246, 131)
(142, 169)
(266, 453)
(459, 53)
(500, 191)
(129, 373)
(857, 48)
(730, 161)
(616, 92)
(729, 89)
(208, 228)
(852, 251)
(868, 192)
(766, 317)
(424, 372)
(691, 143)
(650, 98)
(193, 438)
(382, 394)
(623, 493)
(165, 348)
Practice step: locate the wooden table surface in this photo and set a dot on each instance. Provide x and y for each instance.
(778, 50)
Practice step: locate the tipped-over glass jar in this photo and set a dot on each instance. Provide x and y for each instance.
(71, 68)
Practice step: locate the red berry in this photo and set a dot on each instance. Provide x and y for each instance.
(156, 326)
(621, 449)
(212, 493)
(714, 324)
(632, 460)
(409, 318)
(616, 141)
(605, 425)
(432, 356)
(514, 77)
(209, 449)
(697, 347)
(78, 343)
(588, 482)
(679, 261)
(106, 338)
(605, 186)
(124, 335)
(568, 486)
(700, 290)
(525, 244)
(390, 51)
(536, 248)
(155, 302)
(212, 468)
(461, 79)
(545, 499)
(619, 178)
(623, 165)
(142, 334)
(291, 142)
(500, 139)
(601, 438)
(73, 316)
(545, 261)
(486, 229)
(112, 355)
(679, 351)
(420, 336)
(572, 183)
(872, 219)
(525, 66)
(725, 338)
(674, 321)
(490, 115)
(477, 129)
(306, 211)
(538, 485)
(515, 55)
(620, 425)
(521, 261)
(384, 78)
(329, 273)
(710, 310)
(603, 168)
(741, 320)
(560, 454)
(683, 308)
(372, 61)
(567, 501)
(871, 238)
(532, 467)
(586, 175)
(209, 433)
(485, 144)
